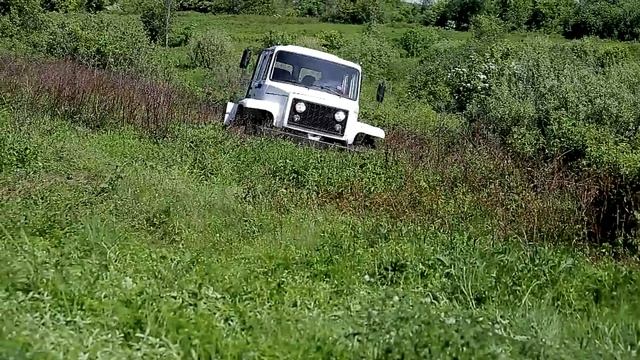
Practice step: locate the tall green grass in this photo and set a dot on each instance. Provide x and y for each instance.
(207, 245)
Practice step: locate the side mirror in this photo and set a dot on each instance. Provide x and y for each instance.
(246, 57)
(380, 92)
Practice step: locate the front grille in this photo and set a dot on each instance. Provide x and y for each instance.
(317, 117)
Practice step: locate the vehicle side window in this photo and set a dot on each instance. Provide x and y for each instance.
(263, 66)
(266, 60)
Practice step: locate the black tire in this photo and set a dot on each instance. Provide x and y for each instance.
(364, 142)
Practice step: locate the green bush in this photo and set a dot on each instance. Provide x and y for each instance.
(257, 7)
(309, 8)
(460, 12)
(433, 13)
(211, 50)
(154, 21)
(417, 41)
(274, 37)
(94, 6)
(486, 27)
(599, 54)
(181, 37)
(374, 53)
(355, 12)
(7, 28)
(516, 13)
(99, 41)
(431, 81)
(576, 103)
(135, 6)
(21, 17)
(616, 20)
(551, 15)
(331, 40)
(64, 6)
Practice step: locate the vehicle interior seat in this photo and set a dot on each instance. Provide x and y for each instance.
(281, 74)
(308, 80)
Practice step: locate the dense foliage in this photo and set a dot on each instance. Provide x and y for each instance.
(527, 93)
(618, 19)
(208, 245)
(511, 163)
(157, 20)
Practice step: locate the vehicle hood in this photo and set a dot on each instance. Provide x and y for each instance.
(321, 97)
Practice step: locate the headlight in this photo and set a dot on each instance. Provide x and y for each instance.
(340, 116)
(301, 107)
(338, 127)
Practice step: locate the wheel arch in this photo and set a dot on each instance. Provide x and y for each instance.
(271, 108)
(362, 131)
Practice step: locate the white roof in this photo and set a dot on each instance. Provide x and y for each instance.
(316, 53)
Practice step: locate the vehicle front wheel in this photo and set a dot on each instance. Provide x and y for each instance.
(364, 141)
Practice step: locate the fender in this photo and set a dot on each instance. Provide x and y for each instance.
(269, 106)
(363, 128)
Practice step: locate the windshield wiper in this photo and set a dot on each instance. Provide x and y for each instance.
(323, 87)
(329, 89)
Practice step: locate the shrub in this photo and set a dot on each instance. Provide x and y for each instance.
(430, 82)
(331, 39)
(309, 8)
(274, 37)
(257, 7)
(599, 54)
(21, 17)
(99, 41)
(617, 20)
(181, 37)
(355, 12)
(551, 15)
(416, 41)
(211, 50)
(62, 5)
(460, 13)
(433, 12)
(373, 53)
(154, 21)
(516, 13)
(94, 6)
(486, 27)
(576, 103)
(134, 6)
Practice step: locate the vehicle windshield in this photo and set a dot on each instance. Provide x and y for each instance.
(316, 73)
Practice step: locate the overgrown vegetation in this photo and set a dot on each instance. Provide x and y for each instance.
(99, 99)
(526, 94)
(499, 218)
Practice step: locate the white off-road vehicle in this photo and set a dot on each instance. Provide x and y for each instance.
(304, 93)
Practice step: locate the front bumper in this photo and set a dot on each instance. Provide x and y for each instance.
(306, 139)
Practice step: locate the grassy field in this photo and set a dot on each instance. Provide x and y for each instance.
(116, 246)
(207, 244)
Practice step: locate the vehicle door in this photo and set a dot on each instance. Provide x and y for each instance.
(257, 86)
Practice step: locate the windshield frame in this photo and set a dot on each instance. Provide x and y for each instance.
(358, 82)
